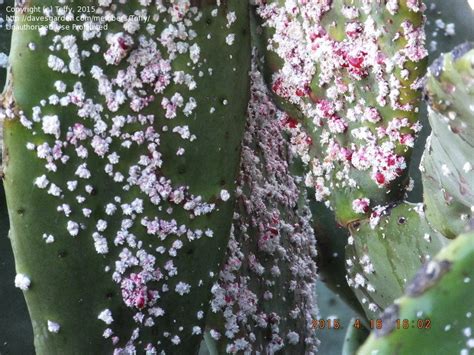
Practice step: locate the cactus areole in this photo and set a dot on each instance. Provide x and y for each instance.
(123, 126)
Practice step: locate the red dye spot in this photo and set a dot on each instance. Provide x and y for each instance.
(313, 36)
(140, 301)
(135, 292)
(405, 138)
(391, 161)
(277, 85)
(317, 33)
(325, 107)
(122, 43)
(273, 231)
(290, 122)
(353, 29)
(380, 178)
(300, 93)
(347, 153)
(356, 62)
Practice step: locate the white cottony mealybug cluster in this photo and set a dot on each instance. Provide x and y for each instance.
(271, 235)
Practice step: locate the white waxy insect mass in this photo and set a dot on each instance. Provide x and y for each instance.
(271, 234)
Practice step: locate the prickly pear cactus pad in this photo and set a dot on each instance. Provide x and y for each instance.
(263, 301)
(385, 252)
(436, 314)
(447, 164)
(446, 26)
(123, 123)
(354, 338)
(350, 72)
(331, 243)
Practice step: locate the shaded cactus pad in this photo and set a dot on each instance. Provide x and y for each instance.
(447, 164)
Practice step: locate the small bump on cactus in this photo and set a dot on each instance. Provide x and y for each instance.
(435, 315)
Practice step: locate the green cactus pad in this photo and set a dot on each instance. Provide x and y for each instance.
(386, 251)
(122, 146)
(446, 27)
(331, 243)
(435, 316)
(354, 338)
(447, 165)
(352, 70)
(263, 301)
(13, 313)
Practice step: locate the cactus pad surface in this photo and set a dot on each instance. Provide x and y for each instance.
(382, 257)
(447, 164)
(350, 72)
(435, 315)
(121, 157)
